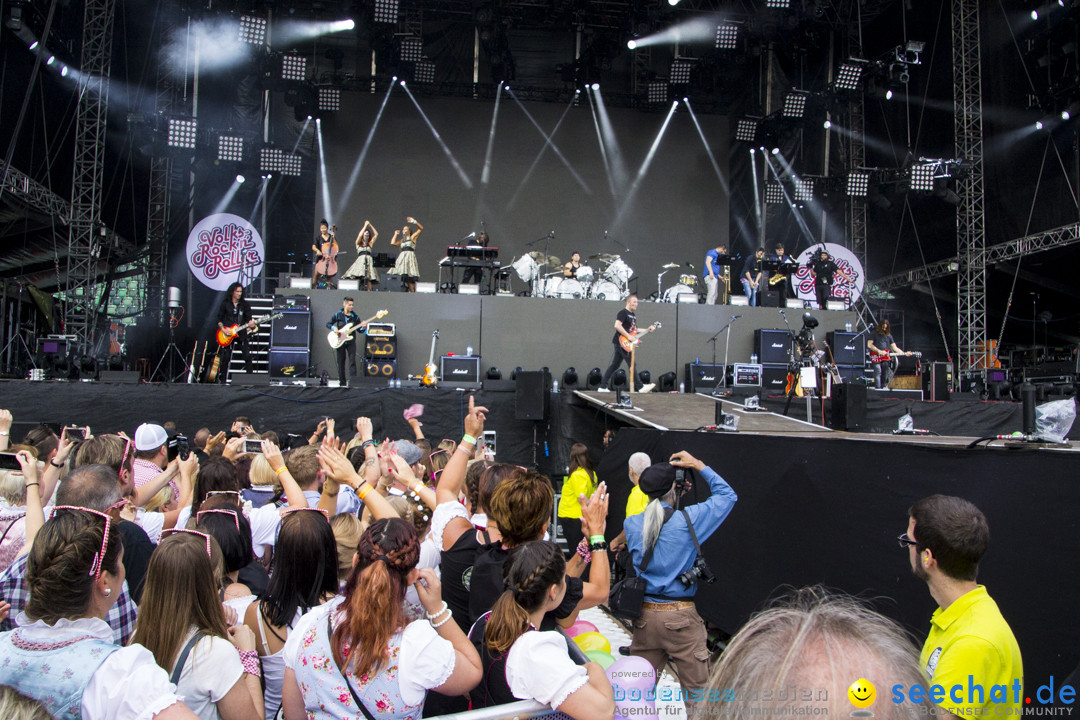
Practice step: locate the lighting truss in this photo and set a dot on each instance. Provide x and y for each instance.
(412, 49)
(727, 36)
(182, 133)
(922, 176)
(329, 99)
(230, 148)
(780, 4)
(252, 29)
(680, 72)
(386, 11)
(657, 92)
(291, 165)
(774, 194)
(858, 183)
(804, 189)
(271, 160)
(293, 67)
(424, 71)
(795, 104)
(746, 129)
(849, 74)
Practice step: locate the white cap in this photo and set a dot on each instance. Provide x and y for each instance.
(150, 437)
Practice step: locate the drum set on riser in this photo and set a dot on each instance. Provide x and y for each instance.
(610, 282)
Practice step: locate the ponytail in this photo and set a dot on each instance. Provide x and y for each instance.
(508, 621)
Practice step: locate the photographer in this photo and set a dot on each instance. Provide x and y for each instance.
(669, 626)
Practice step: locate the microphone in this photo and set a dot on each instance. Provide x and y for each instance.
(736, 317)
(691, 266)
(551, 234)
(472, 235)
(783, 313)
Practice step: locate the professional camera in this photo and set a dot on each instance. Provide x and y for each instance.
(178, 446)
(698, 571)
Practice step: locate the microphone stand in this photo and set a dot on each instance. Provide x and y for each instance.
(720, 389)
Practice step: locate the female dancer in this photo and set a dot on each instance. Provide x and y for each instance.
(406, 265)
(326, 250)
(363, 268)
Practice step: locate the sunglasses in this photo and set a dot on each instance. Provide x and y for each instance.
(905, 541)
(127, 451)
(437, 452)
(231, 513)
(204, 536)
(99, 556)
(234, 493)
(290, 511)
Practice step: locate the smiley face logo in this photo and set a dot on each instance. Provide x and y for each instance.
(862, 693)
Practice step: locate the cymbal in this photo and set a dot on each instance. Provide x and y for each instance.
(543, 259)
(671, 265)
(604, 257)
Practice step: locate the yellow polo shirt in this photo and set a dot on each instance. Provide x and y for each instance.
(971, 647)
(636, 502)
(579, 483)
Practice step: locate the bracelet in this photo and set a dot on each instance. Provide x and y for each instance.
(467, 438)
(4, 432)
(366, 444)
(249, 659)
(281, 469)
(598, 546)
(444, 608)
(593, 539)
(54, 464)
(363, 490)
(33, 483)
(449, 616)
(583, 551)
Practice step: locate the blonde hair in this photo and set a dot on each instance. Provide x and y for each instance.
(13, 487)
(16, 706)
(347, 531)
(162, 498)
(260, 473)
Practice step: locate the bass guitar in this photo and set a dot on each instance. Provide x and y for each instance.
(887, 356)
(429, 377)
(225, 336)
(627, 344)
(344, 334)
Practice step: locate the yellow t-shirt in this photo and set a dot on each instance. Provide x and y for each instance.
(636, 502)
(970, 646)
(579, 483)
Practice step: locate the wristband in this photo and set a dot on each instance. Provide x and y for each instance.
(4, 432)
(366, 444)
(55, 465)
(281, 469)
(32, 484)
(363, 490)
(249, 659)
(583, 551)
(598, 546)
(593, 539)
(467, 438)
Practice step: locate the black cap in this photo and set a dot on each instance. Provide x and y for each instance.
(656, 480)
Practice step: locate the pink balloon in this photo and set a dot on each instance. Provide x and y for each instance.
(581, 626)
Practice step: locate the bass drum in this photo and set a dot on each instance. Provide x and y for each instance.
(605, 290)
(672, 294)
(548, 287)
(585, 275)
(569, 288)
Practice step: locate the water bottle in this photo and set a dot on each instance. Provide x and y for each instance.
(468, 351)
(682, 387)
(847, 326)
(554, 386)
(753, 358)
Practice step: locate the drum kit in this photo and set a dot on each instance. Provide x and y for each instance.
(686, 285)
(610, 282)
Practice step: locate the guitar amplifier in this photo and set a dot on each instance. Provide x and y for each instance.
(459, 369)
(291, 330)
(747, 375)
(852, 373)
(380, 368)
(848, 348)
(698, 376)
(774, 378)
(289, 363)
(292, 302)
(773, 346)
(382, 330)
(380, 348)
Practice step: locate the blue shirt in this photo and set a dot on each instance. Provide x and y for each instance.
(715, 268)
(674, 553)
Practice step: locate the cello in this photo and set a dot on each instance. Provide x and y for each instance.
(326, 263)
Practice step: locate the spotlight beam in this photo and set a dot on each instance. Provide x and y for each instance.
(446, 150)
(757, 193)
(291, 32)
(547, 142)
(603, 149)
(355, 174)
(700, 29)
(485, 175)
(787, 196)
(645, 164)
(322, 172)
(227, 198)
(618, 164)
(708, 150)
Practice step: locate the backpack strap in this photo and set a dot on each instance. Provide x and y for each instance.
(178, 669)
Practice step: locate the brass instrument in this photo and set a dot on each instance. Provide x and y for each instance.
(777, 278)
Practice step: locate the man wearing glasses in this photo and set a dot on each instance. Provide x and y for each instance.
(970, 648)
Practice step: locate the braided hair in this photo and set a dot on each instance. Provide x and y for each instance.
(375, 595)
(528, 574)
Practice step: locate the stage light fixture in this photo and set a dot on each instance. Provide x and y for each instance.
(33, 45)
(778, 4)
(230, 148)
(271, 159)
(386, 11)
(804, 189)
(1038, 124)
(657, 92)
(1065, 115)
(182, 133)
(666, 382)
(412, 49)
(680, 72)
(858, 183)
(293, 67)
(329, 99)
(240, 179)
(494, 373)
(774, 194)
(644, 377)
(595, 86)
(1034, 14)
(570, 378)
(776, 151)
(795, 104)
(827, 124)
(922, 176)
(64, 71)
(746, 129)
(727, 36)
(424, 72)
(631, 44)
(252, 29)
(888, 94)
(594, 378)
(849, 74)
(51, 60)
(292, 165)
(619, 380)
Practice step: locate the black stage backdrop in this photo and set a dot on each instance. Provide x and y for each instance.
(814, 511)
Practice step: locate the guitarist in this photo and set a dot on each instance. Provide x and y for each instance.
(881, 345)
(625, 326)
(235, 311)
(346, 316)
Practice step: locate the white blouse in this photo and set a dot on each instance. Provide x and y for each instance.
(210, 671)
(561, 676)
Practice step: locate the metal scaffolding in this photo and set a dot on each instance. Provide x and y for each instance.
(971, 214)
(86, 231)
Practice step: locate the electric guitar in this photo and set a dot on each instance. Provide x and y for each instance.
(225, 336)
(886, 356)
(627, 344)
(344, 334)
(429, 378)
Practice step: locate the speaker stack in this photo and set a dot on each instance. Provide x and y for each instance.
(380, 350)
(290, 338)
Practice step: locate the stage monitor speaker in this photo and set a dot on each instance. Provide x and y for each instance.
(288, 363)
(698, 377)
(459, 369)
(935, 381)
(381, 348)
(392, 283)
(849, 406)
(773, 346)
(852, 373)
(848, 348)
(291, 330)
(350, 284)
(738, 300)
(425, 287)
(300, 283)
(532, 398)
(380, 368)
(771, 298)
(119, 376)
(253, 379)
(774, 378)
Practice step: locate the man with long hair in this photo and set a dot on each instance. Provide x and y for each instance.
(235, 311)
(882, 348)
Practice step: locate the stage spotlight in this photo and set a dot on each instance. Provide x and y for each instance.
(847, 78)
(666, 382)
(423, 72)
(827, 124)
(888, 94)
(64, 71)
(412, 49)
(644, 377)
(52, 59)
(795, 104)
(240, 178)
(727, 36)
(402, 83)
(631, 44)
(271, 159)
(292, 165)
(619, 380)
(386, 11)
(329, 99)
(858, 183)
(181, 133)
(1034, 14)
(593, 379)
(1038, 124)
(230, 148)
(680, 72)
(494, 373)
(33, 45)
(774, 194)
(595, 86)
(1065, 115)
(778, 4)
(672, 3)
(570, 378)
(657, 92)
(776, 151)
(293, 67)
(252, 30)
(804, 189)
(746, 129)
(922, 177)
(514, 374)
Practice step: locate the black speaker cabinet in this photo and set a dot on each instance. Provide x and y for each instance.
(698, 377)
(532, 398)
(391, 283)
(459, 368)
(378, 367)
(119, 376)
(287, 363)
(848, 348)
(774, 378)
(291, 330)
(772, 346)
(852, 373)
(849, 406)
(935, 381)
(381, 348)
(243, 378)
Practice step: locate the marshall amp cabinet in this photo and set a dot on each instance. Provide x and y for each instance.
(699, 377)
(773, 346)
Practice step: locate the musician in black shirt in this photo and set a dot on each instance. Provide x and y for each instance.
(235, 312)
(476, 274)
(882, 346)
(346, 316)
(751, 275)
(824, 271)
